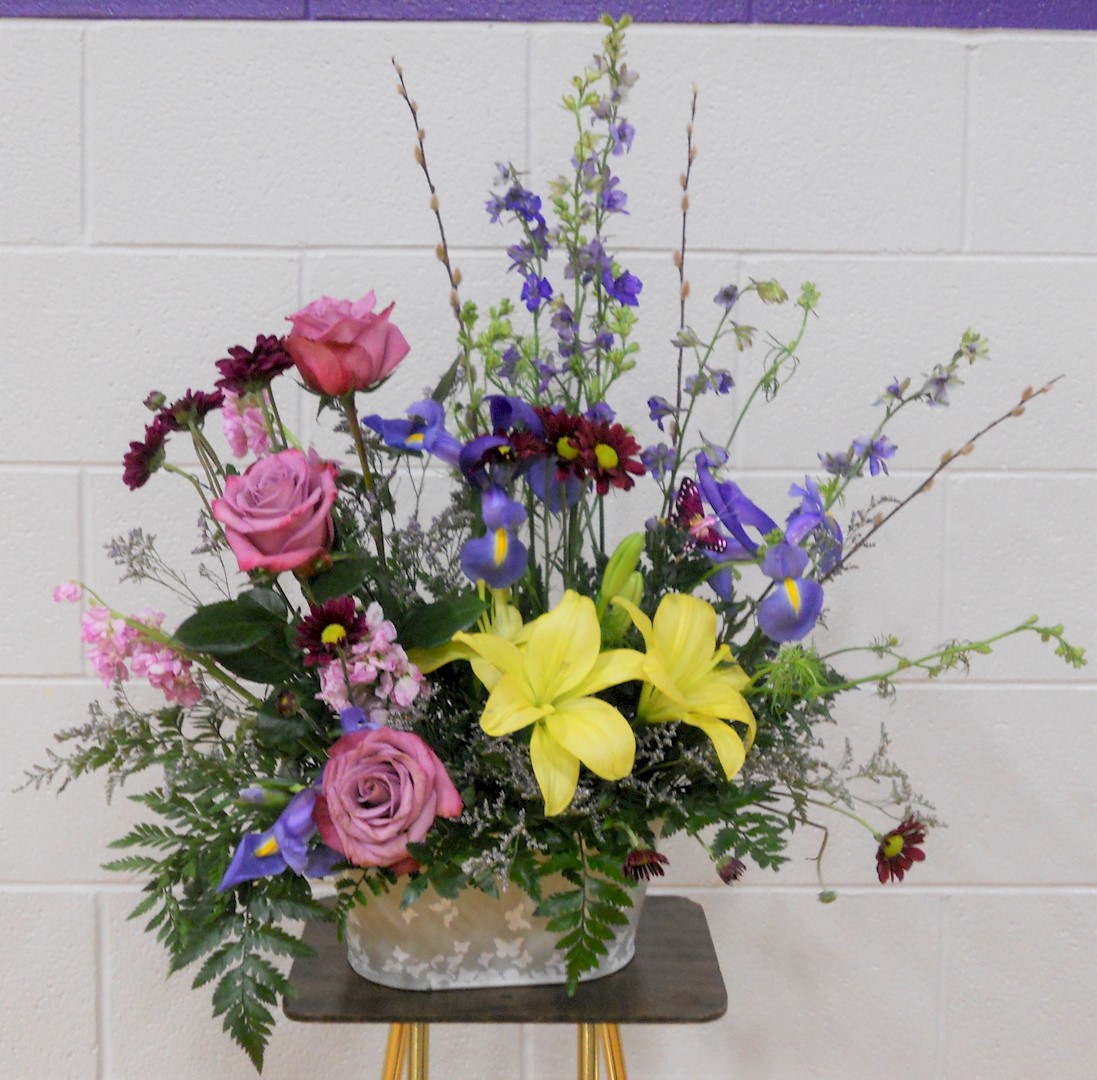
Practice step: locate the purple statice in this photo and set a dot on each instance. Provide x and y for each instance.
(720, 381)
(837, 463)
(877, 453)
(727, 297)
(601, 413)
(892, 392)
(936, 387)
(535, 291)
(812, 517)
(613, 200)
(625, 288)
(659, 409)
(521, 256)
(621, 136)
(588, 262)
(509, 363)
(658, 460)
(603, 341)
(494, 206)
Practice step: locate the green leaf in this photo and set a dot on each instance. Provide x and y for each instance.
(346, 574)
(434, 624)
(277, 731)
(222, 629)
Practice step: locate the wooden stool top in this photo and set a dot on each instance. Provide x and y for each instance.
(673, 979)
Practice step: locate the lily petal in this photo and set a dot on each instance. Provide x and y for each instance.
(596, 733)
(556, 769)
(509, 708)
(729, 747)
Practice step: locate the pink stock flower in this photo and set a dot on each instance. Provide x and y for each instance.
(68, 592)
(339, 346)
(110, 642)
(379, 677)
(244, 425)
(381, 790)
(277, 516)
(167, 671)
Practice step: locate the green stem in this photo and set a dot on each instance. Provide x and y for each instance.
(376, 529)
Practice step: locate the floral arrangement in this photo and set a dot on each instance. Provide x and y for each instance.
(508, 690)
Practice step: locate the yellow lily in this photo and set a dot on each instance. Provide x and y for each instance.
(550, 682)
(688, 678)
(502, 619)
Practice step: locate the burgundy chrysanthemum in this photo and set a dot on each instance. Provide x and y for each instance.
(329, 627)
(192, 407)
(245, 370)
(609, 454)
(144, 458)
(899, 850)
(644, 863)
(562, 438)
(731, 869)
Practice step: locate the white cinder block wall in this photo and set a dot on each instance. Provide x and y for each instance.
(167, 190)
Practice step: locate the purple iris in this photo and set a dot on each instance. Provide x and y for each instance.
(792, 609)
(877, 452)
(480, 458)
(625, 288)
(499, 557)
(811, 516)
(535, 291)
(285, 844)
(424, 432)
(353, 719)
(555, 493)
(735, 511)
(509, 412)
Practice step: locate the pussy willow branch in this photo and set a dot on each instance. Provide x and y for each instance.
(442, 250)
(947, 458)
(680, 254)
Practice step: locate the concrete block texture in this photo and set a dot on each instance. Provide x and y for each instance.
(168, 190)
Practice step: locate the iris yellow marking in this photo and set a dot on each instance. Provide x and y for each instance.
(267, 847)
(793, 593)
(502, 545)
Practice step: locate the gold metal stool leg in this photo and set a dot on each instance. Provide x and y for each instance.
(395, 1052)
(588, 1052)
(610, 1037)
(418, 1051)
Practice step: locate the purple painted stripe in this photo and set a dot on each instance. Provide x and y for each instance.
(683, 11)
(963, 14)
(155, 9)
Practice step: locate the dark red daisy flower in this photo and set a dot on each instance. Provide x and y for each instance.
(144, 458)
(899, 850)
(644, 863)
(731, 869)
(609, 454)
(329, 627)
(562, 438)
(244, 369)
(192, 407)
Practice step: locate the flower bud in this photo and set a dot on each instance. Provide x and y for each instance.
(155, 401)
(622, 563)
(616, 621)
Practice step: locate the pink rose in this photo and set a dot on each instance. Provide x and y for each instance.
(339, 346)
(382, 790)
(277, 516)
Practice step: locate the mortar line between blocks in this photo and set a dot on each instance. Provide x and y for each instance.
(941, 1020)
(966, 197)
(104, 1068)
(85, 217)
(83, 537)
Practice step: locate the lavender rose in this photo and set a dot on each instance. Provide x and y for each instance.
(339, 346)
(277, 516)
(382, 790)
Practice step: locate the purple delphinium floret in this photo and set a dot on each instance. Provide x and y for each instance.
(625, 288)
(877, 453)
